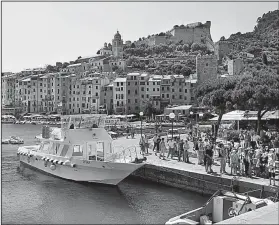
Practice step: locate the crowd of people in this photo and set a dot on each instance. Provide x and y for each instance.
(253, 155)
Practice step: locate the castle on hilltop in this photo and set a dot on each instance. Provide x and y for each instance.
(188, 34)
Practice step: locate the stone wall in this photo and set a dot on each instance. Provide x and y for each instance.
(235, 66)
(222, 48)
(200, 183)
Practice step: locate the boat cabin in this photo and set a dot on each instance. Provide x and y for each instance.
(80, 137)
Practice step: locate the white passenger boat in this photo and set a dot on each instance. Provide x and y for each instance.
(220, 207)
(81, 151)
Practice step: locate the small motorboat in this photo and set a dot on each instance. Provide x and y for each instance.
(16, 140)
(5, 141)
(221, 206)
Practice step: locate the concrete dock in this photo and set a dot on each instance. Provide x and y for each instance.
(191, 176)
(265, 215)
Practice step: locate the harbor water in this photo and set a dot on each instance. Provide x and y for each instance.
(29, 196)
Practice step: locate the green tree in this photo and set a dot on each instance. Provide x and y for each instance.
(186, 71)
(260, 93)
(216, 94)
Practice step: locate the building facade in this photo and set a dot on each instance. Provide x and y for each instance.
(117, 46)
(132, 88)
(120, 96)
(235, 66)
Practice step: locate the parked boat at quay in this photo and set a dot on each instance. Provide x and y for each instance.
(220, 207)
(13, 140)
(81, 151)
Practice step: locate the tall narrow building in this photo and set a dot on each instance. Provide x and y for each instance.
(117, 46)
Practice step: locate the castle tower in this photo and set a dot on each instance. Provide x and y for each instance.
(117, 46)
(206, 67)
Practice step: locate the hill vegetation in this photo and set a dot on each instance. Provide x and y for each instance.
(262, 42)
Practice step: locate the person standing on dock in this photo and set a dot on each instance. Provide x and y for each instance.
(158, 146)
(271, 166)
(186, 152)
(180, 150)
(200, 152)
(146, 144)
(223, 156)
(234, 162)
(208, 159)
(163, 148)
(171, 144)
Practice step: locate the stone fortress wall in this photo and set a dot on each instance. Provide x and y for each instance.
(190, 33)
(206, 67)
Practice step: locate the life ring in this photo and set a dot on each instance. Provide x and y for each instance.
(52, 167)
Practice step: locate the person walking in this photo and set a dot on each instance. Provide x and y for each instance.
(223, 157)
(171, 145)
(180, 150)
(246, 163)
(158, 146)
(186, 152)
(163, 149)
(155, 138)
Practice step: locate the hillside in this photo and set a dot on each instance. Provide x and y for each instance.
(264, 39)
(179, 58)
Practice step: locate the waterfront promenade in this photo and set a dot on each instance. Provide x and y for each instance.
(193, 166)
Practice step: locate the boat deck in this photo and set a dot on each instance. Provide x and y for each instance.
(264, 215)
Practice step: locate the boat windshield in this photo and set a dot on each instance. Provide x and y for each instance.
(83, 121)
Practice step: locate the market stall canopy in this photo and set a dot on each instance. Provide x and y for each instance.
(239, 115)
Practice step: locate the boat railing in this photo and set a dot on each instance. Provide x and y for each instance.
(128, 154)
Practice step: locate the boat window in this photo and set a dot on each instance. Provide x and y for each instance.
(77, 150)
(64, 150)
(45, 147)
(100, 151)
(56, 148)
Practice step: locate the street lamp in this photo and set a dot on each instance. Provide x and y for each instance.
(141, 114)
(171, 116)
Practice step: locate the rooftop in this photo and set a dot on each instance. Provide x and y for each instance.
(73, 65)
(181, 107)
(120, 79)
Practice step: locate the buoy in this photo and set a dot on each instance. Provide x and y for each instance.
(52, 167)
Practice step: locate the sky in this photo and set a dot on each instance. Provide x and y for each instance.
(35, 34)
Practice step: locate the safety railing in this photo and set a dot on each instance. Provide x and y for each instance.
(128, 154)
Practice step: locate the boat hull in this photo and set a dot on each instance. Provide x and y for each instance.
(96, 172)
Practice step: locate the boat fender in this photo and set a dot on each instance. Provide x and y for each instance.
(52, 167)
(47, 159)
(60, 162)
(51, 160)
(67, 163)
(43, 158)
(73, 165)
